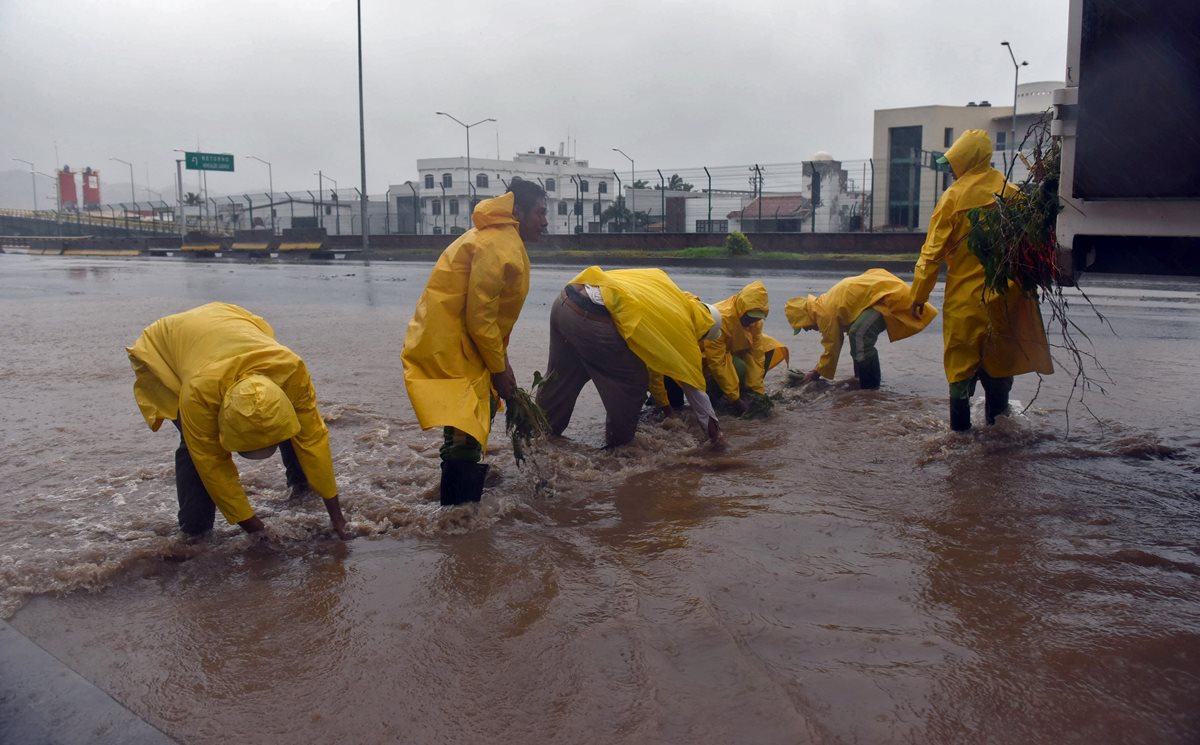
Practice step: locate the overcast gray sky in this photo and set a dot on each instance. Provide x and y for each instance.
(675, 84)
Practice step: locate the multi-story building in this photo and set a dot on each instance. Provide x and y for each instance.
(907, 141)
(440, 200)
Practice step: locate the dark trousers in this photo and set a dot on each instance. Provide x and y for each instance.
(585, 345)
(197, 511)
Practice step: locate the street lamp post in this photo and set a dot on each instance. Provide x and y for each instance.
(132, 193)
(1016, 77)
(32, 180)
(632, 193)
(470, 183)
(271, 185)
(57, 201)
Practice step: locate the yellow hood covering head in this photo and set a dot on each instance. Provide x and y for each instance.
(972, 150)
(798, 313)
(255, 413)
(753, 299)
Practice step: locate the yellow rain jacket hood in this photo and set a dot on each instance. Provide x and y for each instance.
(746, 342)
(256, 414)
(220, 372)
(834, 311)
(458, 336)
(1003, 333)
(661, 323)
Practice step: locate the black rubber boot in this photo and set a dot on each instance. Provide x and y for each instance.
(960, 414)
(869, 373)
(995, 404)
(462, 481)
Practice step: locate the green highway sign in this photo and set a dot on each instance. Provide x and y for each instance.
(208, 161)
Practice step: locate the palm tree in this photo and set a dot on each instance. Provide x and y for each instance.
(191, 199)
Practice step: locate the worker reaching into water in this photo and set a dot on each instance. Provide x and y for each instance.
(217, 372)
(456, 349)
(624, 330)
(861, 307)
(988, 337)
(740, 358)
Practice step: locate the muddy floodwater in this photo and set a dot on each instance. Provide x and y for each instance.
(849, 571)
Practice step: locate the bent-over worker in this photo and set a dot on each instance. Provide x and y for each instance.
(862, 307)
(741, 357)
(219, 375)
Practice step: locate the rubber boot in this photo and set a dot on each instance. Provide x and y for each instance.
(960, 414)
(995, 404)
(869, 373)
(462, 481)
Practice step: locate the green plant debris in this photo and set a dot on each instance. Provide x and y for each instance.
(524, 420)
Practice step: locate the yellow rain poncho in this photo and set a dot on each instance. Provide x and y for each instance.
(834, 311)
(220, 372)
(1004, 333)
(747, 342)
(458, 337)
(661, 323)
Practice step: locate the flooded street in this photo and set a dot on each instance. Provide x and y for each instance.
(848, 571)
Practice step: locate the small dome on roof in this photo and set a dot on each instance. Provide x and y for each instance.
(822, 155)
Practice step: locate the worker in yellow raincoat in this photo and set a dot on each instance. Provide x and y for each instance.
(988, 337)
(624, 330)
(861, 307)
(456, 348)
(219, 375)
(741, 357)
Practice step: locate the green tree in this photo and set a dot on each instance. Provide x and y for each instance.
(641, 184)
(676, 183)
(191, 199)
(618, 213)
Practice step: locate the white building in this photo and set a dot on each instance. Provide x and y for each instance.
(439, 201)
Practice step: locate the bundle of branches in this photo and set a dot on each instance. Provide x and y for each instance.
(524, 420)
(1015, 239)
(1016, 242)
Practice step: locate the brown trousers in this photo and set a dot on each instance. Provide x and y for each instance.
(587, 346)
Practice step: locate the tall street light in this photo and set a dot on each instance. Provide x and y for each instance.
(362, 141)
(632, 193)
(32, 180)
(132, 194)
(271, 184)
(470, 183)
(1016, 76)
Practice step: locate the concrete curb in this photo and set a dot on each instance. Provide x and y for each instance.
(43, 702)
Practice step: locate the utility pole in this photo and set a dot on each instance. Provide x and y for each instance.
(362, 139)
(271, 186)
(632, 192)
(1016, 76)
(662, 183)
(709, 224)
(32, 180)
(620, 192)
(179, 193)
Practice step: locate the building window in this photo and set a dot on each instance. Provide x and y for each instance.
(454, 206)
(948, 137)
(436, 206)
(579, 208)
(447, 180)
(424, 203)
(550, 185)
(596, 209)
(562, 208)
(1001, 141)
(583, 185)
(437, 229)
(603, 187)
(712, 226)
(481, 179)
(547, 161)
(429, 181)
(456, 230)
(904, 176)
